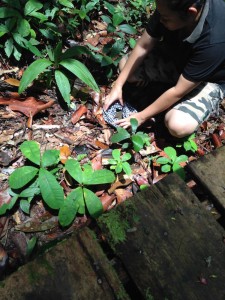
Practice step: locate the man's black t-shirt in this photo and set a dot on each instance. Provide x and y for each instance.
(201, 55)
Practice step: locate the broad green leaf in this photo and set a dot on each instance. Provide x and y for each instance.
(178, 170)
(98, 177)
(32, 6)
(74, 169)
(181, 158)
(80, 200)
(127, 29)
(118, 18)
(166, 168)
(116, 154)
(50, 158)
(119, 168)
(127, 168)
(32, 48)
(35, 69)
(31, 191)
(117, 47)
(39, 16)
(69, 209)
(111, 28)
(25, 206)
(112, 161)
(171, 152)
(93, 203)
(134, 124)
(81, 71)
(122, 134)
(194, 146)
(6, 12)
(110, 7)
(21, 176)
(75, 51)
(31, 150)
(9, 47)
(132, 43)
(17, 53)
(66, 3)
(126, 156)
(63, 86)
(137, 142)
(106, 61)
(23, 27)
(106, 19)
(8, 206)
(30, 245)
(51, 190)
(162, 160)
(187, 145)
(57, 53)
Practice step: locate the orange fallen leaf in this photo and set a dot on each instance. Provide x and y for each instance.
(122, 195)
(64, 153)
(107, 200)
(29, 107)
(78, 114)
(12, 81)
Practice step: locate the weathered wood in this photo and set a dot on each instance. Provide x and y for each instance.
(210, 172)
(73, 269)
(171, 243)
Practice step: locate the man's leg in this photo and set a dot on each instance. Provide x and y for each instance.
(185, 117)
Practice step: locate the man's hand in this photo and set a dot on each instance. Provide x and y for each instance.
(114, 95)
(125, 123)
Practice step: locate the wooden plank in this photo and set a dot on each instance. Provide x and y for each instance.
(74, 269)
(168, 242)
(210, 172)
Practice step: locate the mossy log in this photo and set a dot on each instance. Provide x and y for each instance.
(172, 247)
(209, 170)
(74, 269)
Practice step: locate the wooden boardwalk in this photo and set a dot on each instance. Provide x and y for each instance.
(170, 246)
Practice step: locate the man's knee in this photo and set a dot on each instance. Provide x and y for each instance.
(179, 123)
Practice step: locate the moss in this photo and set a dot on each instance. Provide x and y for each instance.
(117, 222)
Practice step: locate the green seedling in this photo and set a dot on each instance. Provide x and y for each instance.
(188, 143)
(58, 64)
(35, 179)
(82, 198)
(119, 162)
(172, 162)
(40, 178)
(138, 140)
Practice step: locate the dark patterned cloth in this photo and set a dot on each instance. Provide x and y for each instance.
(116, 112)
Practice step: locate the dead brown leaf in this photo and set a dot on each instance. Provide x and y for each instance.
(78, 114)
(64, 153)
(29, 107)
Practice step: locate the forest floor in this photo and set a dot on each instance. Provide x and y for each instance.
(78, 130)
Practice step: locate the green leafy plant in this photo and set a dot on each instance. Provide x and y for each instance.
(17, 18)
(172, 162)
(37, 178)
(40, 178)
(188, 143)
(111, 54)
(82, 198)
(59, 63)
(119, 162)
(137, 139)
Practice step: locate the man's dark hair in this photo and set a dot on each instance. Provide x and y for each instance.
(183, 5)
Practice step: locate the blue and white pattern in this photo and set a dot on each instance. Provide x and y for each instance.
(111, 114)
